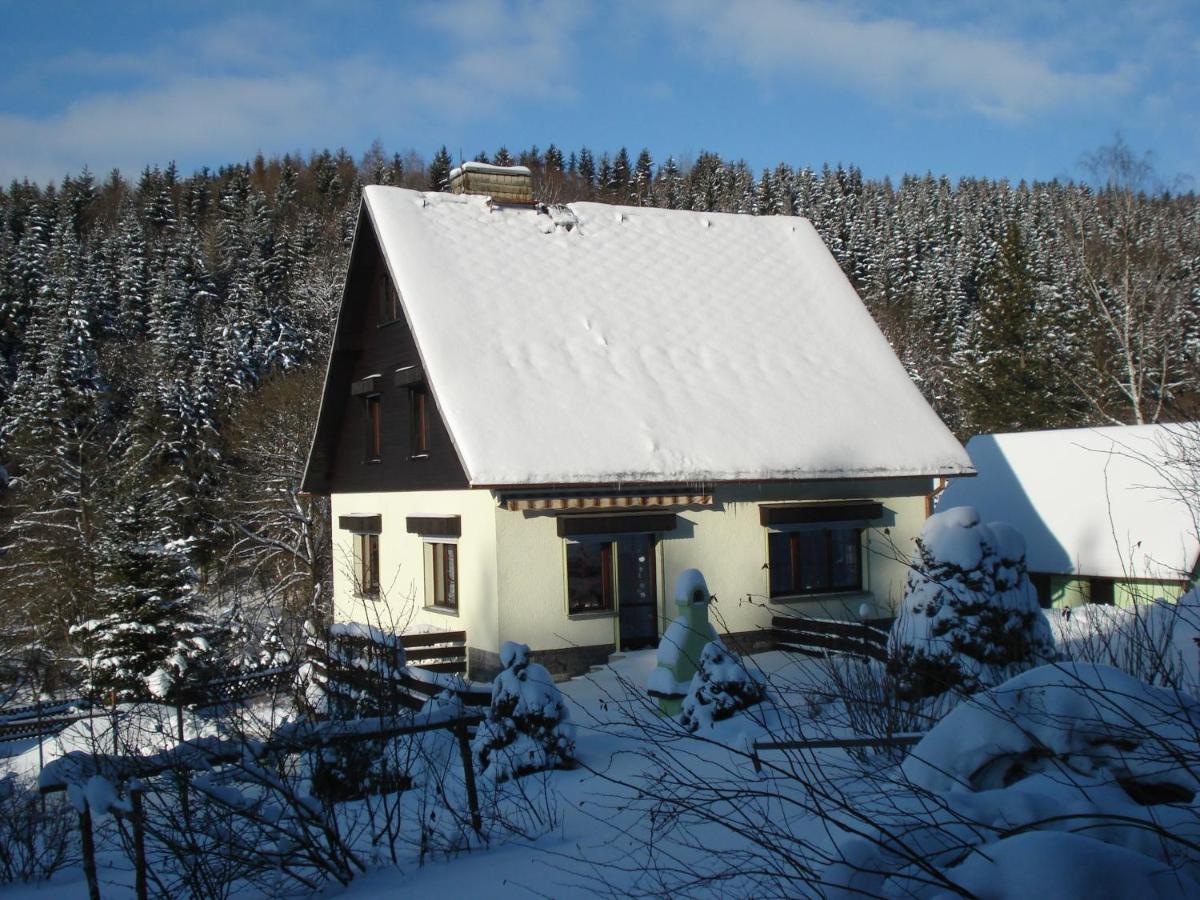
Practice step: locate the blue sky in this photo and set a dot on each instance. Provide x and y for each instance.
(957, 88)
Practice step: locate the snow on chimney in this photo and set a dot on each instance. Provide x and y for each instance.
(504, 184)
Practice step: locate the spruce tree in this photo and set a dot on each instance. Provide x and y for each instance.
(1008, 381)
(147, 639)
(439, 170)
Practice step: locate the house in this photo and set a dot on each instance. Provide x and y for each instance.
(1104, 511)
(534, 418)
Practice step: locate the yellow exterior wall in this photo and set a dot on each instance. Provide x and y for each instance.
(726, 542)
(512, 580)
(401, 605)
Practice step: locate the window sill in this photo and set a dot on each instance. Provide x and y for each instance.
(362, 595)
(592, 614)
(824, 596)
(443, 610)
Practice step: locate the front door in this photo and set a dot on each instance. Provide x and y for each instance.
(637, 592)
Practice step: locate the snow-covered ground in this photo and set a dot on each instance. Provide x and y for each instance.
(650, 809)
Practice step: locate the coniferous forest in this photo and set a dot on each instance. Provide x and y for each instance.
(163, 339)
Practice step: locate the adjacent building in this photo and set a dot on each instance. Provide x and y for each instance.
(1108, 514)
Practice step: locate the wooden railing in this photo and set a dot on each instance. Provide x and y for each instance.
(820, 637)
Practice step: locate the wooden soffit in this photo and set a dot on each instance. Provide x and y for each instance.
(616, 501)
(434, 526)
(818, 513)
(361, 524)
(637, 523)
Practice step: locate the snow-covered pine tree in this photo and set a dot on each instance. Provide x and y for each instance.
(587, 171)
(1009, 381)
(643, 179)
(147, 638)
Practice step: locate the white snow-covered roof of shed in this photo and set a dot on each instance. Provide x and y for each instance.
(1102, 502)
(648, 345)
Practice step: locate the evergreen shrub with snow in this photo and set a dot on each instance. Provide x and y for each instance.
(721, 687)
(970, 618)
(528, 726)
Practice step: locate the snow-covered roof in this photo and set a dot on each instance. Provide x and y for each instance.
(631, 344)
(1093, 501)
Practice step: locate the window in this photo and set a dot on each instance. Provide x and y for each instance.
(366, 564)
(388, 298)
(1100, 590)
(418, 440)
(374, 428)
(1041, 584)
(589, 576)
(441, 575)
(815, 560)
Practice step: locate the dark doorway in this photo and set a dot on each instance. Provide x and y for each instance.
(637, 592)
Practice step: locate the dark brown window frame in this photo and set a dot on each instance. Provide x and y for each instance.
(388, 298)
(366, 564)
(608, 581)
(443, 569)
(794, 537)
(373, 405)
(418, 431)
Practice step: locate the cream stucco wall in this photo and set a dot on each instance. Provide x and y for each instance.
(401, 604)
(726, 542)
(512, 582)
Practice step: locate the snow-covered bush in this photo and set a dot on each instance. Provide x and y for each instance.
(1069, 780)
(528, 727)
(970, 617)
(722, 686)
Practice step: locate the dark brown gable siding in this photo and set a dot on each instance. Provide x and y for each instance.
(365, 346)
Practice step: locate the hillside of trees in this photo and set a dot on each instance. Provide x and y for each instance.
(162, 343)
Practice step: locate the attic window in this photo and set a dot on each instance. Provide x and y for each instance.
(418, 433)
(388, 298)
(374, 422)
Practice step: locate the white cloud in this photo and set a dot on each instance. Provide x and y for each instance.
(890, 58)
(249, 83)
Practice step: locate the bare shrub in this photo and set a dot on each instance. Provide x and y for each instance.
(36, 836)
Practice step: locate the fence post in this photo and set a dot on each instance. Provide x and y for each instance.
(460, 732)
(185, 806)
(89, 851)
(139, 841)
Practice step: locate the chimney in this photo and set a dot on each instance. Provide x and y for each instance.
(504, 184)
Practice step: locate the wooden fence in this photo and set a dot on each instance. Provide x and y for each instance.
(820, 637)
(133, 772)
(436, 662)
(355, 668)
